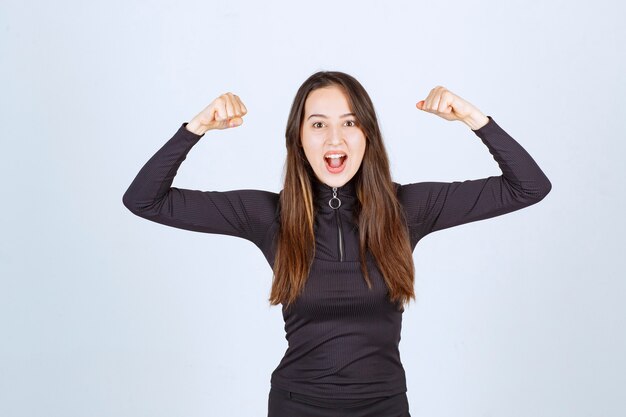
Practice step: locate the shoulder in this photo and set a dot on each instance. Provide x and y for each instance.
(413, 191)
(259, 206)
(262, 199)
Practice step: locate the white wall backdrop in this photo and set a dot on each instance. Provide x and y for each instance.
(103, 313)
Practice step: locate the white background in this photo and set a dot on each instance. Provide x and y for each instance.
(103, 313)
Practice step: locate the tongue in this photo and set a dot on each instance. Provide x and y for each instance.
(335, 162)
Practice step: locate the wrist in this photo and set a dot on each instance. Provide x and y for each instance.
(476, 120)
(194, 127)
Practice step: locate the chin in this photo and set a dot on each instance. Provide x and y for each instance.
(336, 180)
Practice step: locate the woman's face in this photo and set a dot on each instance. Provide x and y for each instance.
(330, 128)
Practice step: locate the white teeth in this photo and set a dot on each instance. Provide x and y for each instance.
(334, 156)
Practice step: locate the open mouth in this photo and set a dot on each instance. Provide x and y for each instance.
(335, 162)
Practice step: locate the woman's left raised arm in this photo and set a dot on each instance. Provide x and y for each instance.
(431, 206)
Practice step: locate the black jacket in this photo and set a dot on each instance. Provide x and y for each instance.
(342, 338)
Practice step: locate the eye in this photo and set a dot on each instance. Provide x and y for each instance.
(315, 123)
(351, 121)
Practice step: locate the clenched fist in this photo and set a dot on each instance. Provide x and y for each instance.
(222, 113)
(444, 103)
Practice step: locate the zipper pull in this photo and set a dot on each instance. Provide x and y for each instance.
(334, 197)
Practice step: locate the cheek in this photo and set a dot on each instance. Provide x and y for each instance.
(360, 146)
(310, 154)
(306, 147)
(311, 148)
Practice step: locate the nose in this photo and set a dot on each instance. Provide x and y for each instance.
(335, 136)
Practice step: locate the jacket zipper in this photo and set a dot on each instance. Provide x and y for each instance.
(335, 203)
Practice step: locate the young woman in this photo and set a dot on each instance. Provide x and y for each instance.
(339, 236)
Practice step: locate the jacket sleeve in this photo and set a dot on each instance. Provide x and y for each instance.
(242, 213)
(432, 206)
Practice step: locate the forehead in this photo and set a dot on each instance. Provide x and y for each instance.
(329, 100)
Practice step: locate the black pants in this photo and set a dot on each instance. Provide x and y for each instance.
(283, 403)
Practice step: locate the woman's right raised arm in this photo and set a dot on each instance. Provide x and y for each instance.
(242, 213)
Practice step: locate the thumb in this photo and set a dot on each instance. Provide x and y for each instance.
(235, 121)
(420, 105)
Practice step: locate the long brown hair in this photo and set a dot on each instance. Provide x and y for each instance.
(381, 222)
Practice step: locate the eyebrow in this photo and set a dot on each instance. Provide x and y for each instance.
(325, 117)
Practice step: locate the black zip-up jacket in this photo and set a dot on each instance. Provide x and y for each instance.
(342, 338)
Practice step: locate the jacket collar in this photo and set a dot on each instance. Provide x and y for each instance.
(323, 193)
